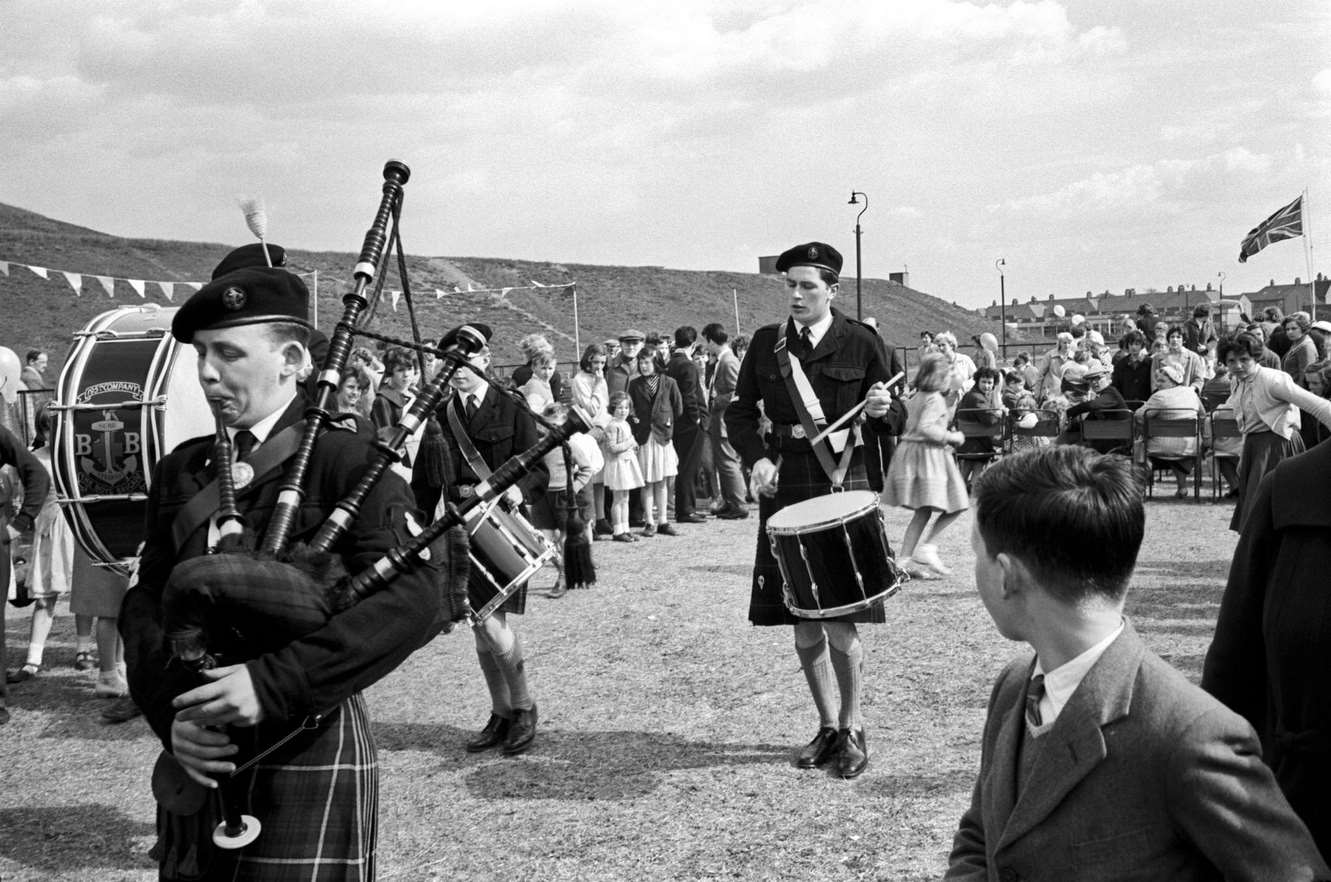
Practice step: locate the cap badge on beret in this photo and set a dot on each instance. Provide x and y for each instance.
(234, 299)
(813, 252)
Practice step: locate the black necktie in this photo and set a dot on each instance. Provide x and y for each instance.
(471, 406)
(806, 337)
(245, 442)
(1034, 693)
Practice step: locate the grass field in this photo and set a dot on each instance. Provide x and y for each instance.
(667, 729)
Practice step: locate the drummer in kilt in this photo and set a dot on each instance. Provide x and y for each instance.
(482, 429)
(839, 362)
(316, 795)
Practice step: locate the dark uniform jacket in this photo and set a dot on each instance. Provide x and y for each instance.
(36, 485)
(314, 673)
(846, 362)
(1268, 655)
(499, 429)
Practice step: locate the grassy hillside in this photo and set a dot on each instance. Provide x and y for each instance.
(37, 313)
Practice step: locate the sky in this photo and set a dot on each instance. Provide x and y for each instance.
(1090, 145)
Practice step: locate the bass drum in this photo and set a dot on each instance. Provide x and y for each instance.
(128, 394)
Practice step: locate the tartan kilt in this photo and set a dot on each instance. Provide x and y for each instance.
(317, 798)
(801, 478)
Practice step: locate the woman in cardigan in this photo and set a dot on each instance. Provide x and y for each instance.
(1266, 404)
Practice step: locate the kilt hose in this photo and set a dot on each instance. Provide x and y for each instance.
(317, 798)
(801, 478)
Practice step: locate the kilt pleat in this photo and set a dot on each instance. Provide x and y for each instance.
(801, 478)
(316, 799)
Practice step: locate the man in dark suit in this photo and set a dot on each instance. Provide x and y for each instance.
(689, 437)
(845, 364)
(721, 391)
(316, 793)
(482, 429)
(1098, 759)
(36, 484)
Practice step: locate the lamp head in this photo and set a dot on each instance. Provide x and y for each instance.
(853, 200)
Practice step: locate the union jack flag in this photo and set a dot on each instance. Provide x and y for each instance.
(1284, 224)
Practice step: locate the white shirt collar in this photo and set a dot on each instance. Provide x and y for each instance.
(817, 329)
(1060, 683)
(264, 427)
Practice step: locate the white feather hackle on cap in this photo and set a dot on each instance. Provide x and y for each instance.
(256, 218)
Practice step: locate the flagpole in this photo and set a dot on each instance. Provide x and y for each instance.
(577, 338)
(316, 298)
(1308, 255)
(734, 295)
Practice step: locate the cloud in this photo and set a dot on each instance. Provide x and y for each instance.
(1169, 185)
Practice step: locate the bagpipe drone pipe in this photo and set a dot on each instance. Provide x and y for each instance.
(242, 602)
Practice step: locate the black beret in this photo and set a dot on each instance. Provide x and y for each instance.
(451, 338)
(248, 256)
(816, 254)
(256, 295)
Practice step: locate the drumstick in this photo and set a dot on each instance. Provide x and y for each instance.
(850, 414)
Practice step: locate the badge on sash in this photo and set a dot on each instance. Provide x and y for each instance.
(242, 473)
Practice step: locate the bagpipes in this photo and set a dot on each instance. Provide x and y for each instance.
(242, 602)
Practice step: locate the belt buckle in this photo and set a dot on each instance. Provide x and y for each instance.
(798, 432)
(466, 491)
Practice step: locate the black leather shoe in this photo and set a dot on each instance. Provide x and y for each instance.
(691, 518)
(21, 675)
(732, 514)
(667, 530)
(852, 753)
(494, 733)
(602, 528)
(818, 751)
(122, 710)
(522, 733)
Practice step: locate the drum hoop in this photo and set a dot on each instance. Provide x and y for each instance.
(818, 526)
(848, 608)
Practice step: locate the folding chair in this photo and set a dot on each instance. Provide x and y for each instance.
(1113, 425)
(1173, 424)
(1048, 424)
(1223, 427)
(981, 422)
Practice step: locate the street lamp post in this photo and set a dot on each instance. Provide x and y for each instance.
(1002, 303)
(859, 275)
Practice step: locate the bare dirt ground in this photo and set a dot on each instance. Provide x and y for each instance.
(667, 729)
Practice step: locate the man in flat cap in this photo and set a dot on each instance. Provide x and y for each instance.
(482, 429)
(624, 366)
(315, 794)
(806, 372)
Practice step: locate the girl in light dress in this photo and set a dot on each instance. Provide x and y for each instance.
(656, 404)
(923, 475)
(622, 472)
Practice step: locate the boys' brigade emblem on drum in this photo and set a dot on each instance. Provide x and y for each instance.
(109, 453)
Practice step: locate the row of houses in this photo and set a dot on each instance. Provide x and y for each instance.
(1105, 312)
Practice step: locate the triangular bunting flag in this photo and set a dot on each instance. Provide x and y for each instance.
(108, 284)
(438, 293)
(4, 268)
(137, 285)
(535, 284)
(39, 270)
(195, 285)
(396, 295)
(75, 281)
(456, 289)
(168, 289)
(503, 292)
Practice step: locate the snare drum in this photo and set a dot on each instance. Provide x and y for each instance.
(128, 394)
(506, 550)
(833, 554)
